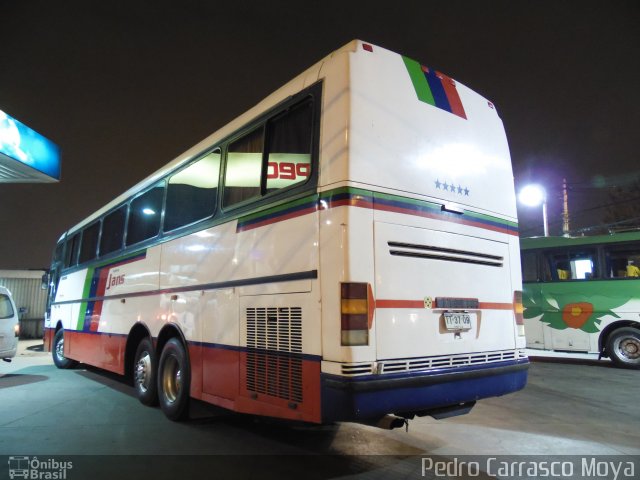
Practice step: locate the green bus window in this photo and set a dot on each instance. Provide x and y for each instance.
(529, 268)
(192, 192)
(622, 261)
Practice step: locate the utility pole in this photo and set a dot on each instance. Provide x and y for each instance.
(565, 209)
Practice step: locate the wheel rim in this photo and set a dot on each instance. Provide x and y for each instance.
(60, 349)
(628, 349)
(143, 372)
(171, 379)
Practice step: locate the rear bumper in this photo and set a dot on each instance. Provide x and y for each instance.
(348, 399)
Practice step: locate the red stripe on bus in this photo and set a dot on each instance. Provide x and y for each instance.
(101, 350)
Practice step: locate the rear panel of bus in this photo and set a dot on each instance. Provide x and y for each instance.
(419, 241)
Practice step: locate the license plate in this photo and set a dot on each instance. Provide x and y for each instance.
(457, 320)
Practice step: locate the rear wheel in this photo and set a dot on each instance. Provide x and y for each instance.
(145, 367)
(623, 347)
(57, 352)
(174, 379)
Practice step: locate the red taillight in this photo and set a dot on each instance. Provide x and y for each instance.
(367, 47)
(356, 311)
(518, 311)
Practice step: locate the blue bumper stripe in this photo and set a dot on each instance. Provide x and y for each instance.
(348, 399)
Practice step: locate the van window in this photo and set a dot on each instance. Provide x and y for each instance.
(6, 309)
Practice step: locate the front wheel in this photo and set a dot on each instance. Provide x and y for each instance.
(623, 347)
(174, 379)
(58, 352)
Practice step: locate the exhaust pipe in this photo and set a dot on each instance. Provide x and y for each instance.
(388, 422)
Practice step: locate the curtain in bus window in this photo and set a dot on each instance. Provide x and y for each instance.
(244, 165)
(113, 231)
(192, 192)
(289, 147)
(89, 243)
(144, 215)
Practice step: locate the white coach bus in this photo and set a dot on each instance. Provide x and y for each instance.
(346, 250)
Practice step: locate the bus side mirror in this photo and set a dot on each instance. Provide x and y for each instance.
(45, 281)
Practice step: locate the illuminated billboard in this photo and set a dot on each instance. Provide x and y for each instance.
(25, 155)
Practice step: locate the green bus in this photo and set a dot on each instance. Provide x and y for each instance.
(582, 294)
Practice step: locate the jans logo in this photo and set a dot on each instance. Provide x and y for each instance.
(114, 280)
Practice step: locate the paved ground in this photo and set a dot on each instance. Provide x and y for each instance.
(566, 409)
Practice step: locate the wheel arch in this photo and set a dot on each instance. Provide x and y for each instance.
(609, 329)
(169, 331)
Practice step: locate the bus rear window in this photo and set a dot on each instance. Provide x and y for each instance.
(289, 148)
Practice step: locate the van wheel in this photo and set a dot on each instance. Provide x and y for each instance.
(145, 368)
(58, 352)
(623, 347)
(174, 379)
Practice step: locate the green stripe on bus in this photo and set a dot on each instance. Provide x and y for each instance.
(419, 81)
(85, 294)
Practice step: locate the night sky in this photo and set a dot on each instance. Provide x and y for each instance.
(123, 87)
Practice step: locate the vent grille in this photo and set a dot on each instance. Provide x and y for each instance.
(446, 254)
(274, 337)
(430, 363)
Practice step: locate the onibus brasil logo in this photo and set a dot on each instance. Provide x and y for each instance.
(36, 469)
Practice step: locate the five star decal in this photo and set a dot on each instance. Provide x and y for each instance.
(452, 187)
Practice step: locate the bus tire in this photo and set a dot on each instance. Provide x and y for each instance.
(145, 369)
(57, 351)
(623, 347)
(174, 379)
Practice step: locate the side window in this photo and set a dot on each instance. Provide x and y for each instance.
(144, 215)
(71, 252)
(244, 166)
(113, 231)
(622, 261)
(529, 268)
(192, 192)
(89, 242)
(289, 147)
(573, 265)
(6, 310)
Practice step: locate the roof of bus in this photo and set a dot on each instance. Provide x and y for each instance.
(532, 243)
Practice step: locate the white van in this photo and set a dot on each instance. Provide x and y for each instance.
(9, 326)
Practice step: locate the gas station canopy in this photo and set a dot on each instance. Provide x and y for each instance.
(25, 155)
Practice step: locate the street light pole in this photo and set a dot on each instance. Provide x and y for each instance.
(533, 196)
